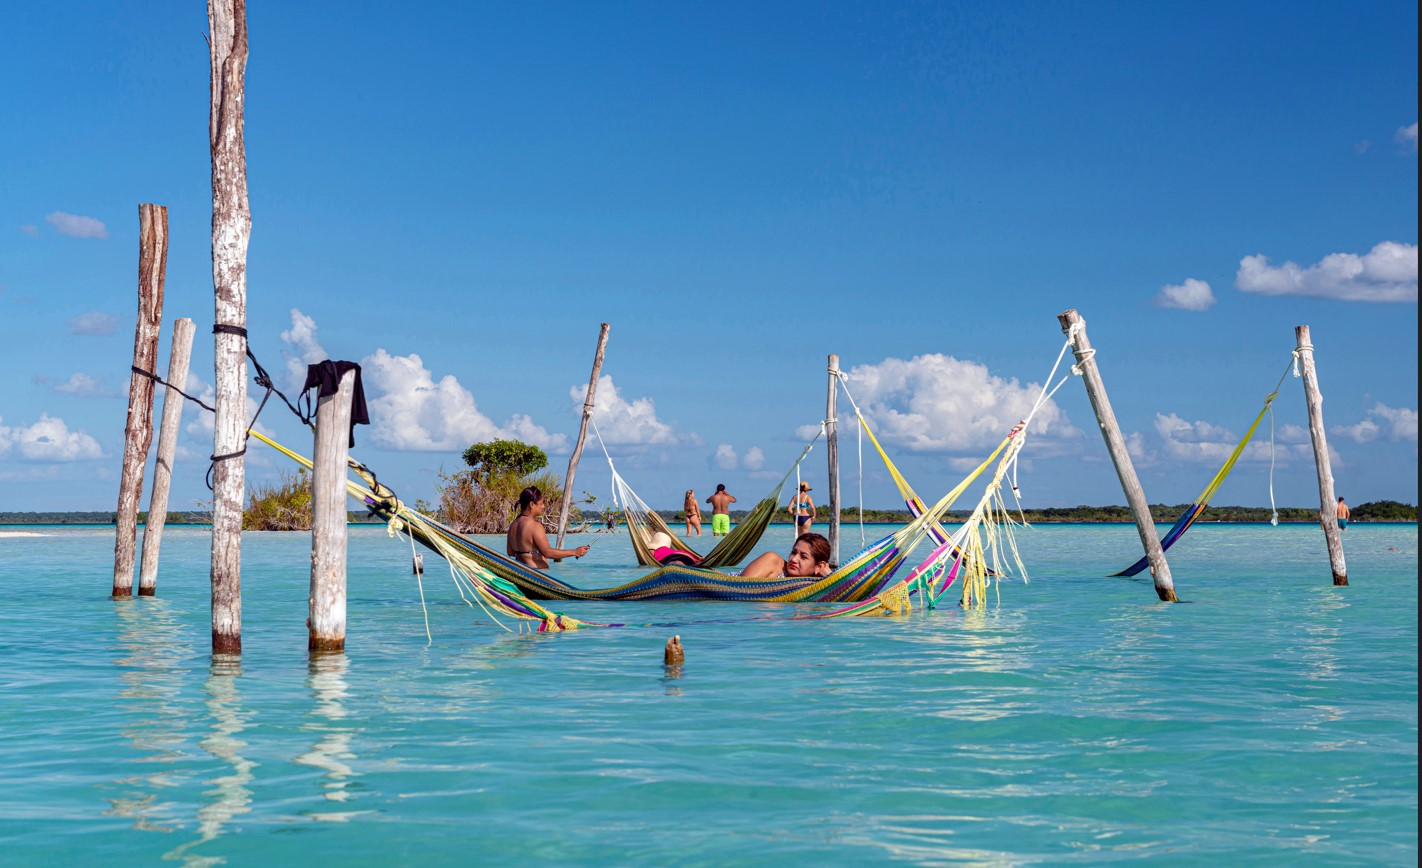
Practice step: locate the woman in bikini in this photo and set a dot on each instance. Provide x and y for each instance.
(809, 558)
(693, 513)
(528, 541)
(802, 509)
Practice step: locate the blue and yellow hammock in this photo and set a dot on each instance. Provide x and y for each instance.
(1197, 508)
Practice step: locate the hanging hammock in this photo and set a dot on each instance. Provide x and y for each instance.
(643, 521)
(1197, 508)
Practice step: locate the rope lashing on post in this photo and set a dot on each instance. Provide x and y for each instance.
(307, 415)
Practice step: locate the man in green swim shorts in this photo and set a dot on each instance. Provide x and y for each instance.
(1344, 513)
(720, 511)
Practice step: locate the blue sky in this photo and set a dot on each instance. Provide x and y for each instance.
(457, 194)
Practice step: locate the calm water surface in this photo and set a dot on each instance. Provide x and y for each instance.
(1272, 718)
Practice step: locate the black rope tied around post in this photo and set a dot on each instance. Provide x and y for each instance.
(304, 408)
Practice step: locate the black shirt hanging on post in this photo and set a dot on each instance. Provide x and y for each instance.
(325, 377)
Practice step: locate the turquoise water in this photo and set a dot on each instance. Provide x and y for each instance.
(1272, 718)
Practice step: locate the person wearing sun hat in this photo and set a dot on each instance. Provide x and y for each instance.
(802, 509)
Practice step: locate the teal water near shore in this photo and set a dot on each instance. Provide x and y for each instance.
(1271, 718)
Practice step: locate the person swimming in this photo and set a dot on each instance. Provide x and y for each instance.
(527, 541)
(809, 558)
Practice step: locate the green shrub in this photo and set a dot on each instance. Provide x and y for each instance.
(505, 458)
(283, 506)
(484, 499)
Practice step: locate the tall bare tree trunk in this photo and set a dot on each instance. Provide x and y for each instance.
(231, 230)
(1075, 328)
(582, 435)
(138, 430)
(1328, 506)
(179, 355)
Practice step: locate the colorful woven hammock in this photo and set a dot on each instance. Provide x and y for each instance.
(1196, 509)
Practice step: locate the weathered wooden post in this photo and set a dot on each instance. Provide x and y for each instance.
(138, 430)
(326, 626)
(231, 230)
(179, 355)
(1075, 328)
(582, 435)
(832, 447)
(1328, 504)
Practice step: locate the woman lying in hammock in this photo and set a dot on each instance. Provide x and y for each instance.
(809, 557)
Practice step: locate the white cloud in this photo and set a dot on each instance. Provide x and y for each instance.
(1382, 421)
(1191, 295)
(754, 459)
(81, 385)
(1407, 138)
(409, 411)
(305, 348)
(628, 423)
(49, 439)
(94, 322)
(30, 229)
(1362, 147)
(1205, 443)
(1290, 433)
(76, 226)
(936, 403)
(1388, 272)
(725, 458)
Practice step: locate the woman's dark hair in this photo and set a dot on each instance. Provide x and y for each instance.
(819, 546)
(529, 495)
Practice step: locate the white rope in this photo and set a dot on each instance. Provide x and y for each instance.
(859, 432)
(1273, 510)
(1296, 355)
(1042, 398)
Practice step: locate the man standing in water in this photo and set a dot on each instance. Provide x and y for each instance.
(720, 511)
(1343, 513)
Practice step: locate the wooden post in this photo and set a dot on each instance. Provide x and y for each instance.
(832, 448)
(1328, 503)
(1075, 328)
(326, 626)
(582, 435)
(179, 355)
(231, 230)
(138, 430)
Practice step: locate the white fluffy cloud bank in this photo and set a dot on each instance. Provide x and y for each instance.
(1191, 295)
(1382, 423)
(1208, 444)
(1388, 272)
(936, 403)
(410, 411)
(628, 422)
(49, 439)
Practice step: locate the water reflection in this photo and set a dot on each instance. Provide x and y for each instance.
(152, 641)
(326, 681)
(230, 794)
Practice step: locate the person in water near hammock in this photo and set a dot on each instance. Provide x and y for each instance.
(802, 509)
(528, 541)
(809, 558)
(1344, 513)
(693, 513)
(664, 553)
(720, 511)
